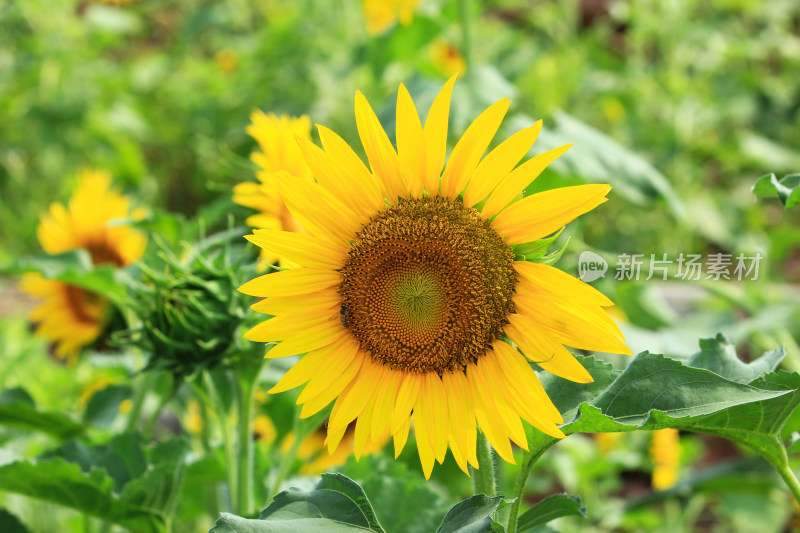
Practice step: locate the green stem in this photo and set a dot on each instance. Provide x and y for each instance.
(466, 31)
(227, 441)
(245, 445)
(287, 460)
(145, 384)
(483, 477)
(151, 422)
(791, 480)
(528, 460)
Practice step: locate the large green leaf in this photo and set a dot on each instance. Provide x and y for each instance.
(122, 482)
(336, 503)
(473, 515)
(719, 356)
(18, 410)
(550, 508)
(229, 523)
(403, 500)
(10, 523)
(336, 497)
(58, 481)
(656, 392)
(787, 188)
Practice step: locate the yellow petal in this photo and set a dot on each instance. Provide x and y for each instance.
(470, 148)
(487, 416)
(385, 402)
(363, 425)
(340, 356)
(410, 143)
(352, 164)
(521, 401)
(539, 346)
(288, 325)
(406, 398)
(499, 163)
(541, 278)
(508, 417)
(318, 210)
(352, 402)
(302, 249)
(543, 213)
(339, 182)
(435, 134)
(295, 282)
(400, 437)
(523, 378)
(317, 337)
(576, 325)
(513, 184)
(302, 371)
(380, 153)
(311, 302)
(424, 447)
(316, 404)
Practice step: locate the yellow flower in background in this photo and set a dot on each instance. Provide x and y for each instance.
(263, 429)
(606, 442)
(226, 61)
(71, 317)
(408, 286)
(381, 14)
(665, 451)
(312, 449)
(194, 417)
(447, 58)
(279, 152)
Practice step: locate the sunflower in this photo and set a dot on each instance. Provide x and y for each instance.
(279, 152)
(381, 14)
(408, 303)
(69, 316)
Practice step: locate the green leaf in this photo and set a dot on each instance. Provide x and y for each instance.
(402, 498)
(18, 410)
(74, 268)
(531, 251)
(550, 508)
(58, 481)
(656, 392)
(787, 188)
(229, 523)
(103, 407)
(719, 356)
(10, 523)
(473, 515)
(335, 497)
(336, 503)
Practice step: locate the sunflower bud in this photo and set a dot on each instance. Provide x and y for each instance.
(191, 314)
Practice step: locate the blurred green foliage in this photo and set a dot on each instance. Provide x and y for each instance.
(680, 104)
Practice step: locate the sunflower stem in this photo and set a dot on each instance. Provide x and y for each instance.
(483, 477)
(245, 440)
(788, 476)
(528, 460)
(287, 459)
(227, 442)
(145, 384)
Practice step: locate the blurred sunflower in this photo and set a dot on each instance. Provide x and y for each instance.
(381, 14)
(71, 317)
(409, 304)
(311, 450)
(665, 451)
(279, 152)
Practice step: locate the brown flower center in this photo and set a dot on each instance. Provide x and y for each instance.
(427, 285)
